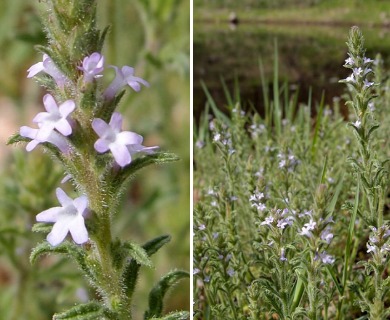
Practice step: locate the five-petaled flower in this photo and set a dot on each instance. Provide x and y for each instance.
(54, 118)
(124, 76)
(92, 66)
(67, 218)
(122, 144)
(48, 66)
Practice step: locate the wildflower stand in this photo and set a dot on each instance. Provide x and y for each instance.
(82, 130)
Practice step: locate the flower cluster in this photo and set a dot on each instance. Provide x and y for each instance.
(58, 125)
(378, 241)
(279, 218)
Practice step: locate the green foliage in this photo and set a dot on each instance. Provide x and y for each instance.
(89, 311)
(72, 34)
(157, 294)
(281, 216)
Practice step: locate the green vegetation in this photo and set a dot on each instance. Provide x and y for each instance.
(292, 208)
(339, 12)
(154, 38)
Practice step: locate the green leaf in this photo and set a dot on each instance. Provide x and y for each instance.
(70, 249)
(129, 171)
(42, 227)
(154, 245)
(138, 253)
(181, 315)
(89, 311)
(16, 138)
(130, 273)
(157, 294)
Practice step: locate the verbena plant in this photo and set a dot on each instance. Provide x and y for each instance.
(83, 131)
(291, 214)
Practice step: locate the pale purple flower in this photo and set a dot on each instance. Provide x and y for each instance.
(54, 118)
(67, 218)
(122, 144)
(54, 138)
(257, 196)
(195, 271)
(199, 144)
(357, 71)
(124, 76)
(283, 254)
(307, 228)
(202, 227)
(259, 206)
(351, 79)
(283, 223)
(367, 84)
(371, 248)
(367, 60)
(349, 61)
(230, 272)
(92, 66)
(327, 258)
(326, 235)
(268, 221)
(49, 67)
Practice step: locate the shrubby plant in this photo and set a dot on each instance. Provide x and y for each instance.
(83, 131)
(291, 214)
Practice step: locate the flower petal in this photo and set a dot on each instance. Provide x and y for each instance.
(28, 132)
(66, 108)
(58, 233)
(41, 117)
(81, 203)
(78, 230)
(35, 69)
(101, 146)
(49, 215)
(50, 104)
(120, 153)
(31, 145)
(44, 132)
(100, 127)
(63, 198)
(116, 121)
(64, 127)
(128, 137)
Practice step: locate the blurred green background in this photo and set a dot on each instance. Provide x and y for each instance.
(153, 37)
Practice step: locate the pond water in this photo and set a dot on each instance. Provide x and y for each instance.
(310, 56)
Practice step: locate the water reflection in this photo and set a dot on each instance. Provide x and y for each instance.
(309, 56)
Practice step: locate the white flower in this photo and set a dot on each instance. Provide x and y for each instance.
(67, 218)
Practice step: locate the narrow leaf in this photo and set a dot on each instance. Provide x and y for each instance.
(138, 254)
(130, 273)
(157, 294)
(181, 315)
(88, 311)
